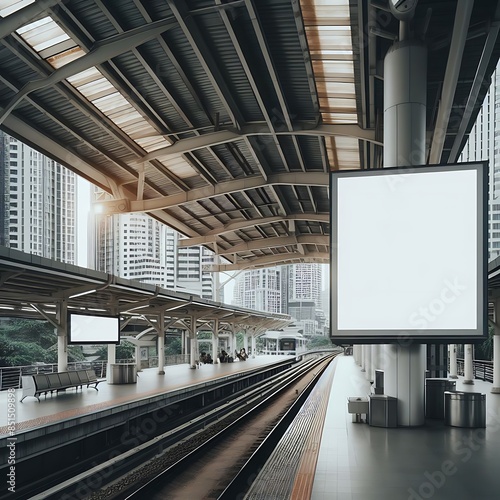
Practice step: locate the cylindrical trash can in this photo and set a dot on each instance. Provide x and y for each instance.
(434, 396)
(465, 409)
(122, 373)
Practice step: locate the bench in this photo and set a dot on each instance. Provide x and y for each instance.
(35, 385)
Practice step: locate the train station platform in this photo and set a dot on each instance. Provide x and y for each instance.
(31, 414)
(356, 461)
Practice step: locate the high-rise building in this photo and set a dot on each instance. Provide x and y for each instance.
(259, 289)
(37, 204)
(136, 246)
(481, 146)
(304, 296)
(293, 289)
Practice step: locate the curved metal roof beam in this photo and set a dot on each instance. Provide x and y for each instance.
(211, 236)
(260, 130)
(271, 260)
(124, 205)
(279, 241)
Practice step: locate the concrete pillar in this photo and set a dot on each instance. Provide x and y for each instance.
(193, 351)
(404, 379)
(496, 349)
(405, 100)
(496, 364)
(468, 368)
(368, 362)
(111, 354)
(375, 364)
(362, 358)
(161, 343)
(453, 360)
(254, 345)
(62, 336)
(356, 354)
(215, 341)
(138, 358)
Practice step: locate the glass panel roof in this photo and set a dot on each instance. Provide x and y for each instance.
(8, 7)
(328, 31)
(51, 42)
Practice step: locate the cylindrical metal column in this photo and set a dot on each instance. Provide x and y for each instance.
(405, 84)
(405, 100)
(468, 368)
(254, 345)
(496, 364)
(362, 358)
(453, 360)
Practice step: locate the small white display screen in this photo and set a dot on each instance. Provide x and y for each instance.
(88, 329)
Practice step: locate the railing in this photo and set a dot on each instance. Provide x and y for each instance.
(173, 359)
(481, 370)
(10, 376)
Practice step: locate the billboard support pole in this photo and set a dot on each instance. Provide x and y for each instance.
(405, 83)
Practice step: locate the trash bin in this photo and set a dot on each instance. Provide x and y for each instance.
(434, 396)
(383, 411)
(465, 409)
(122, 373)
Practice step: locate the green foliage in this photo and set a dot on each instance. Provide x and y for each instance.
(125, 350)
(173, 345)
(484, 351)
(24, 342)
(319, 342)
(204, 335)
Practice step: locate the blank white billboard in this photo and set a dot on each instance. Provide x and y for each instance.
(409, 253)
(90, 329)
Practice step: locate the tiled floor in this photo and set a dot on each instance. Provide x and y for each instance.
(434, 461)
(30, 413)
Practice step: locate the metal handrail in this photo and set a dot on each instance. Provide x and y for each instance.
(482, 370)
(10, 376)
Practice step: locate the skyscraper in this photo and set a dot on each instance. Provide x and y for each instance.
(259, 289)
(293, 289)
(136, 246)
(37, 202)
(304, 295)
(481, 146)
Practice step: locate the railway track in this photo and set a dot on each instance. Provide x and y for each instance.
(143, 468)
(222, 466)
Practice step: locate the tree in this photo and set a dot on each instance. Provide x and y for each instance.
(25, 342)
(125, 350)
(173, 345)
(319, 342)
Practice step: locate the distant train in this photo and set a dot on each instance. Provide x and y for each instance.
(278, 342)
